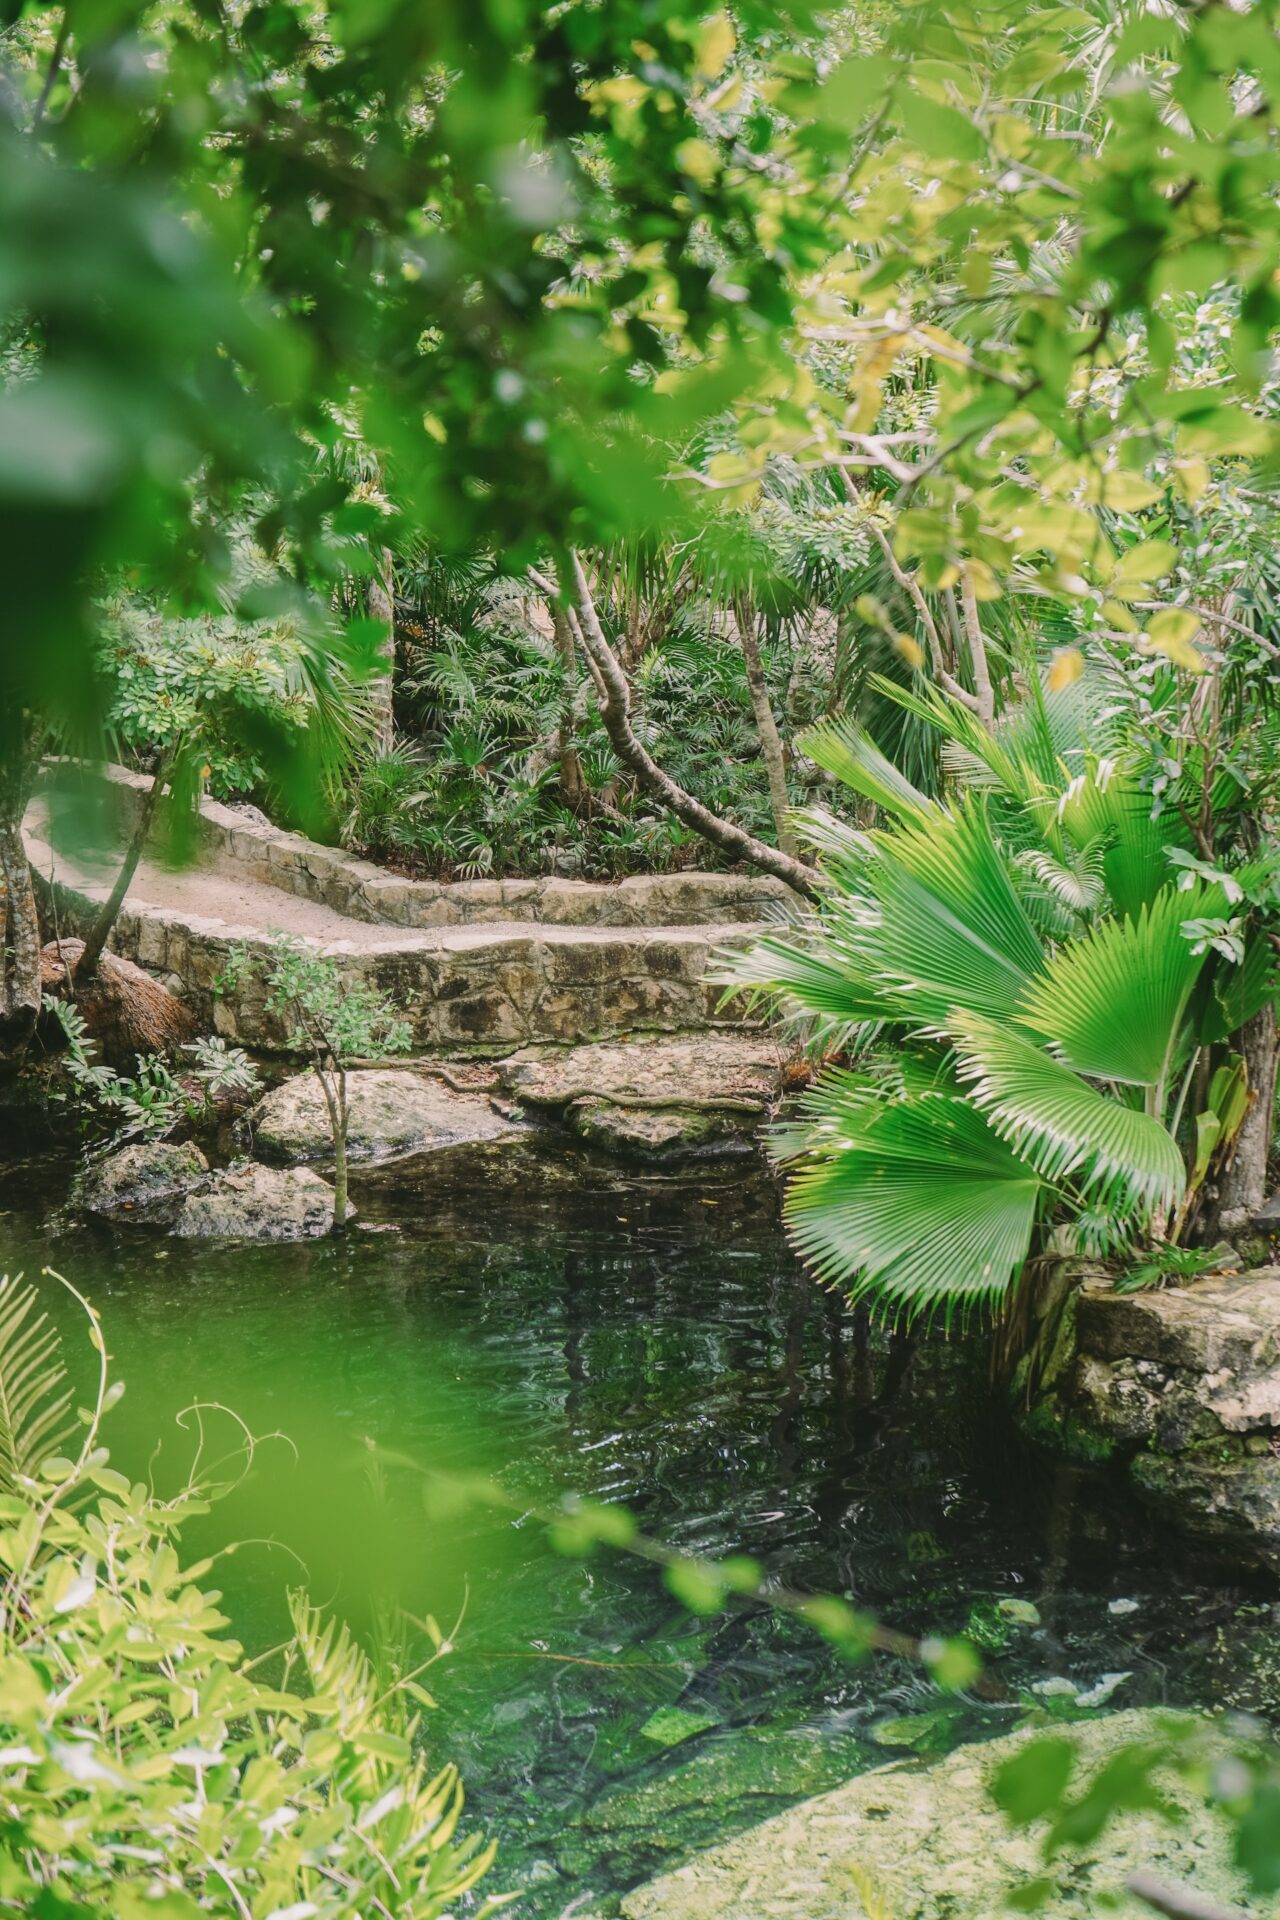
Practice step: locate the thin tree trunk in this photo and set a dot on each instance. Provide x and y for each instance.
(382, 607)
(109, 912)
(566, 753)
(767, 728)
(615, 712)
(20, 962)
(977, 650)
(1243, 1186)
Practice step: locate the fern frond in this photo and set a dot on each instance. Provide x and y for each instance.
(34, 1397)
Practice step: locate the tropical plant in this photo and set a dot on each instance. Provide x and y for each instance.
(1034, 984)
(150, 1767)
(332, 1020)
(158, 1095)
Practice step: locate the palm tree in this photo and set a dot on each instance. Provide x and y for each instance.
(1033, 982)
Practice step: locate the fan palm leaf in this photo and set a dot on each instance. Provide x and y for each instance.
(846, 750)
(1124, 1161)
(914, 1203)
(1112, 1003)
(951, 929)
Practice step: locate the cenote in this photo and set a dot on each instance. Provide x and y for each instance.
(645, 1339)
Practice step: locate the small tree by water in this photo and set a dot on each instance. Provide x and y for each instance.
(334, 1021)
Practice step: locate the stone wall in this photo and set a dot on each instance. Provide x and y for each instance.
(466, 990)
(1179, 1385)
(235, 841)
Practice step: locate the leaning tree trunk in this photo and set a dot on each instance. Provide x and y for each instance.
(615, 712)
(1243, 1186)
(109, 912)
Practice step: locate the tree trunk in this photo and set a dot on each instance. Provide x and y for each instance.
(977, 650)
(20, 991)
(109, 912)
(767, 728)
(382, 607)
(340, 1156)
(566, 753)
(1243, 1187)
(615, 712)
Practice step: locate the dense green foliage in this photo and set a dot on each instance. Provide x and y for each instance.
(1041, 979)
(150, 1767)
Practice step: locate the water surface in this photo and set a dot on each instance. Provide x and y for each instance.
(560, 1327)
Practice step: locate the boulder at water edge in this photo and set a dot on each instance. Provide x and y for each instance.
(391, 1111)
(250, 1202)
(928, 1843)
(146, 1181)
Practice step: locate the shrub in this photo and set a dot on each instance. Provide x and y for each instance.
(149, 1771)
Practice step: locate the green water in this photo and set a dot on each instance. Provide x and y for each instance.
(561, 1327)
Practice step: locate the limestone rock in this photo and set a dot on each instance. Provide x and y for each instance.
(250, 1202)
(655, 1096)
(144, 1181)
(1183, 1384)
(391, 1112)
(927, 1843)
(660, 1132)
(641, 1826)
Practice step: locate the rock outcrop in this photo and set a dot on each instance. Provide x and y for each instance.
(249, 1202)
(928, 1843)
(146, 1181)
(392, 1111)
(657, 1098)
(1182, 1384)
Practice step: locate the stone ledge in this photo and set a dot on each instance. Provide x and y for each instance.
(1181, 1385)
(234, 842)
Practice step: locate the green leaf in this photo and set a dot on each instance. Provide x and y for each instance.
(843, 748)
(952, 931)
(940, 131)
(1068, 1131)
(914, 1204)
(1111, 1004)
(1033, 1782)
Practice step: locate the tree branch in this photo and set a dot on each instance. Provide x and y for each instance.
(108, 913)
(1178, 1903)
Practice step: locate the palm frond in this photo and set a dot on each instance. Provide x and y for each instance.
(1125, 1162)
(1108, 804)
(914, 1204)
(843, 748)
(952, 930)
(34, 1397)
(1111, 1004)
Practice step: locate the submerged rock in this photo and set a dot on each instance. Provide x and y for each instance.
(144, 1181)
(250, 1202)
(638, 1827)
(654, 1097)
(659, 1132)
(1180, 1383)
(928, 1843)
(391, 1111)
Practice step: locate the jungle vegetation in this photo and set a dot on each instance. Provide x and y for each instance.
(582, 439)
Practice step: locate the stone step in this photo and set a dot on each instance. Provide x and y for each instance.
(241, 844)
(489, 987)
